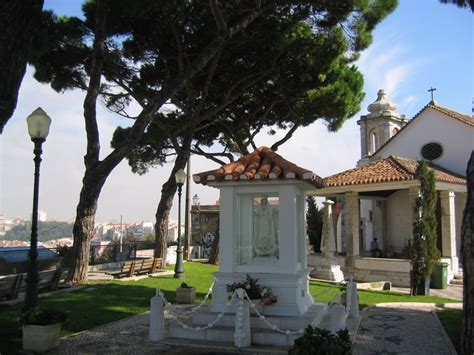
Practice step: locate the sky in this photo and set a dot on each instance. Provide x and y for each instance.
(422, 44)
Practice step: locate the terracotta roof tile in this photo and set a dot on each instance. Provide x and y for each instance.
(389, 169)
(261, 164)
(450, 113)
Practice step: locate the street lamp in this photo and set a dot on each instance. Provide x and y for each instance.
(196, 200)
(180, 177)
(38, 128)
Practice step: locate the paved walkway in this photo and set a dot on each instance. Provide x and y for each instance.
(403, 328)
(411, 328)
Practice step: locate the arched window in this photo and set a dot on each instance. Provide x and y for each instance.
(395, 131)
(374, 141)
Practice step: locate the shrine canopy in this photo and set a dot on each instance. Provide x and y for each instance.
(262, 164)
(262, 228)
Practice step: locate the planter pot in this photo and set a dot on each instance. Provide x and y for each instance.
(423, 288)
(185, 294)
(41, 338)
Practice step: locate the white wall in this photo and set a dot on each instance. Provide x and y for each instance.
(399, 220)
(456, 138)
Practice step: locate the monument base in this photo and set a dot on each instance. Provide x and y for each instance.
(328, 272)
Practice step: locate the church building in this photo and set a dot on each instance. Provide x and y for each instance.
(375, 201)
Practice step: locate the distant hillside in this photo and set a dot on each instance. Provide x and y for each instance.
(47, 231)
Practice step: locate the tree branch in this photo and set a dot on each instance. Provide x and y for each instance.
(90, 101)
(287, 136)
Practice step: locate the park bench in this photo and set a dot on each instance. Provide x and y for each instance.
(10, 286)
(127, 270)
(147, 266)
(49, 280)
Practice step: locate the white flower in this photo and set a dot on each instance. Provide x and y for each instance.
(247, 287)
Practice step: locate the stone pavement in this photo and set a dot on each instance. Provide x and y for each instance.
(398, 328)
(403, 328)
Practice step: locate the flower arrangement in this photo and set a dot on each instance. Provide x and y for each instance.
(254, 290)
(42, 316)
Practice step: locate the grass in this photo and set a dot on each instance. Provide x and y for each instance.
(451, 320)
(104, 302)
(368, 298)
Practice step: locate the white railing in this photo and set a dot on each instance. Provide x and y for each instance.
(242, 336)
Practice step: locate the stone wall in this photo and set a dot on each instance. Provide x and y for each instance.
(397, 271)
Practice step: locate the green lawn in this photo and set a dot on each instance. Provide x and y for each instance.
(104, 302)
(451, 320)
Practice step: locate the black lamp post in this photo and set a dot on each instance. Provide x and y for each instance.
(38, 128)
(180, 177)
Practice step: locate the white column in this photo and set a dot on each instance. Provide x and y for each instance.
(448, 228)
(352, 223)
(287, 229)
(226, 229)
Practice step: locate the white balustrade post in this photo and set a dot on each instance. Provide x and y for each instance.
(354, 299)
(337, 318)
(242, 336)
(157, 317)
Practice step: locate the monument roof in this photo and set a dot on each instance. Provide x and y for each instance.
(390, 169)
(261, 164)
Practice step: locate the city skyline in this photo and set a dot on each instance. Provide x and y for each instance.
(406, 58)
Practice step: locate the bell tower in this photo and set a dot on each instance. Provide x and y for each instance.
(377, 127)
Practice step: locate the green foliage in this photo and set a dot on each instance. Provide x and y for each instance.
(251, 286)
(317, 341)
(314, 223)
(291, 66)
(46, 231)
(42, 316)
(422, 249)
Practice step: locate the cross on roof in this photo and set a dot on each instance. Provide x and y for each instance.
(432, 89)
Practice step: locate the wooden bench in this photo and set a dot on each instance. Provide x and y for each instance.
(127, 270)
(147, 266)
(49, 280)
(10, 286)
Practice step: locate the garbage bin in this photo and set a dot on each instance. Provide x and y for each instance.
(439, 277)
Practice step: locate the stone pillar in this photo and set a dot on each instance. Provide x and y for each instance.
(157, 317)
(448, 228)
(352, 225)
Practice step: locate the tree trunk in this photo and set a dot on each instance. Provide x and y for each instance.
(18, 21)
(83, 230)
(166, 202)
(467, 252)
(214, 255)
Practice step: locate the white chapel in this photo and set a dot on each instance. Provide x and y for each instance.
(376, 199)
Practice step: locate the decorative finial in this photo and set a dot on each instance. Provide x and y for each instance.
(432, 90)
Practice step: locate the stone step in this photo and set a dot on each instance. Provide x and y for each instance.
(458, 275)
(313, 315)
(224, 334)
(456, 281)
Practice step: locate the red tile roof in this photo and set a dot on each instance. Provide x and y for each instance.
(389, 169)
(261, 164)
(450, 113)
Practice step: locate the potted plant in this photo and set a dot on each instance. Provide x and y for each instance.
(41, 329)
(323, 342)
(422, 249)
(185, 293)
(254, 290)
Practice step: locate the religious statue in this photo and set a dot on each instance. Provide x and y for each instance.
(264, 241)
